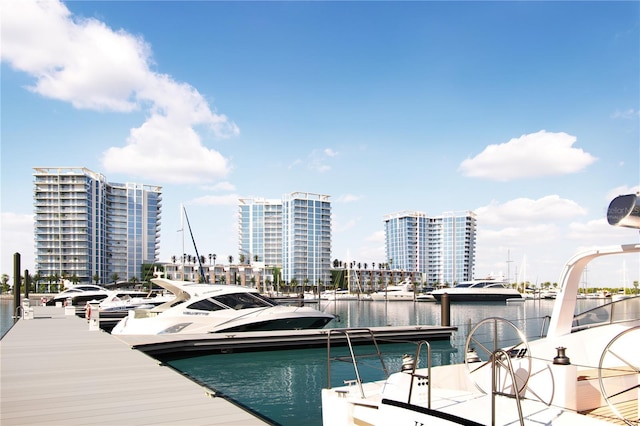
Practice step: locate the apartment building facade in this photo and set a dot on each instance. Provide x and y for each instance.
(88, 229)
(293, 234)
(442, 247)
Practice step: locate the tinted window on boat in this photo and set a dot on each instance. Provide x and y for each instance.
(206, 305)
(242, 301)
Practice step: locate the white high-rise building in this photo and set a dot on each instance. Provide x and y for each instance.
(88, 228)
(293, 234)
(441, 247)
(261, 231)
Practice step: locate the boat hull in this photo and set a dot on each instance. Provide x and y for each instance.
(477, 297)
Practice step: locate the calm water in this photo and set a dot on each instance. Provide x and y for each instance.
(285, 386)
(6, 313)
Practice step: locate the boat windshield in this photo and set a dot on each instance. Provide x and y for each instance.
(235, 301)
(620, 311)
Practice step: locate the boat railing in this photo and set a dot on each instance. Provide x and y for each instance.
(421, 377)
(501, 358)
(410, 365)
(614, 312)
(348, 334)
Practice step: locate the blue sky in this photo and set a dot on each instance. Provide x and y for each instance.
(526, 113)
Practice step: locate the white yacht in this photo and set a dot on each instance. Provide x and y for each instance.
(586, 371)
(118, 302)
(214, 308)
(401, 292)
(485, 290)
(338, 294)
(82, 293)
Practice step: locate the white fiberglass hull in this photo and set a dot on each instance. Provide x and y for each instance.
(259, 319)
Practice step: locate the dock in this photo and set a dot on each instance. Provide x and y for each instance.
(55, 370)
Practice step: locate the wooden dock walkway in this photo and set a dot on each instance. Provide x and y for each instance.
(55, 371)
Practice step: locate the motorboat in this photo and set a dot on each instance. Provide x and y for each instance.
(425, 297)
(600, 294)
(482, 290)
(213, 308)
(401, 292)
(81, 294)
(117, 305)
(338, 294)
(118, 302)
(585, 371)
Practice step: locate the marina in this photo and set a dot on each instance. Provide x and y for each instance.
(290, 380)
(55, 370)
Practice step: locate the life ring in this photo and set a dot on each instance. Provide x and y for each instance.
(87, 312)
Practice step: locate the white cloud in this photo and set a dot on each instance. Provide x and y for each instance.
(317, 160)
(525, 210)
(622, 190)
(17, 237)
(376, 237)
(348, 198)
(626, 114)
(221, 186)
(536, 154)
(216, 200)
(85, 63)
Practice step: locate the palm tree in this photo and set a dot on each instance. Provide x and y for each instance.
(55, 278)
(241, 259)
(96, 278)
(276, 276)
(5, 282)
(74, 279)
(36, 280)
(115, 278)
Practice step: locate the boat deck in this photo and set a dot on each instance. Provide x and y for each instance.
(55, 370)
(628, 410)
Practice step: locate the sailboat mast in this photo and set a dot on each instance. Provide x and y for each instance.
(194, 244)
(182, 231)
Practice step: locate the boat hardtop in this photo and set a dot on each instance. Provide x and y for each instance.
(483, 283)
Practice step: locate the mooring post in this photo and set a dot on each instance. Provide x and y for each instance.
(16, 285)
(445, 310)
(27, 283)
